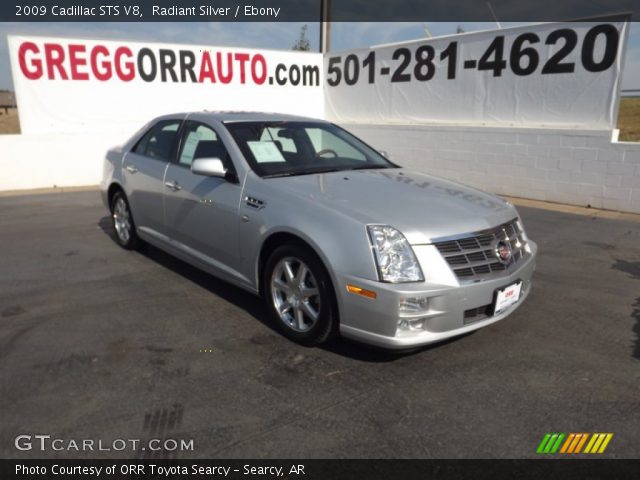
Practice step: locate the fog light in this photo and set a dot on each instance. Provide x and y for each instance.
(411, 324)
(414, 305)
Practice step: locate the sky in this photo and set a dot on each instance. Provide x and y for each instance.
(344, 35)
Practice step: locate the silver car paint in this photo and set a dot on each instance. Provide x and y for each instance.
(329, 212)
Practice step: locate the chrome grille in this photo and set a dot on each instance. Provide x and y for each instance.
(472, 256)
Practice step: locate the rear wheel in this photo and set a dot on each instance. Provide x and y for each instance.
(123, 222)
(299, 295)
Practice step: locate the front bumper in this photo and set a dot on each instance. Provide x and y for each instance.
(450, 309)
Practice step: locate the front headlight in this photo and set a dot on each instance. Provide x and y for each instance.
(395, 259)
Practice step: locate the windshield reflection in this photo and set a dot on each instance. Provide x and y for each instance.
(278, 149)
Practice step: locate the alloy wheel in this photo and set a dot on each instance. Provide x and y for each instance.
(122, 220)
(295, 294)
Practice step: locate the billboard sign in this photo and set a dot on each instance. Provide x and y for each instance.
(71, 85)
(551, 74)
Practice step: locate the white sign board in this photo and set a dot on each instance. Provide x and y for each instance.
(72, 85)
(552, 74)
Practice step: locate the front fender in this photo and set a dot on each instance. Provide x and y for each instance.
(339, 241)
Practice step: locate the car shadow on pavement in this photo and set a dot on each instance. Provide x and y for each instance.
(632, 269)
(254, 305)
(372, 354)
(635, 315)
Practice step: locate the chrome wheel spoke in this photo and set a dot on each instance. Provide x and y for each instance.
(309, 310)
(281, 286)
(301, 275)
(288, 271)
(308, 292)
(300, 319)
(284, 307)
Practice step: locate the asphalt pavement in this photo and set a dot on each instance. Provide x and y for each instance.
(101, 343)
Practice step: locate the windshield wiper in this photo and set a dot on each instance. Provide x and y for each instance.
(322, 170)
(304, 172)
(370, 167)
(326, 170)
(276, 175)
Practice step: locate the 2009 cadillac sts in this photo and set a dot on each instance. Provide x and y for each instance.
(334, 236)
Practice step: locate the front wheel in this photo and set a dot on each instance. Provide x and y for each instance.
(299, 295)
(123, 222)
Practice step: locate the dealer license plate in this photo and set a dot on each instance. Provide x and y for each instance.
(507, 296)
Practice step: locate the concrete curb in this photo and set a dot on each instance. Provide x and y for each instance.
(576, 210)
(46, 191)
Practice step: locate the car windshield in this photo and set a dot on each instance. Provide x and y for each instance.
(278, 149)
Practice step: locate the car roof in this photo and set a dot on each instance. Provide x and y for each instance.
(241, 116)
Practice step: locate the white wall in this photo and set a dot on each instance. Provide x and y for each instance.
(48, 160)
(564, 166)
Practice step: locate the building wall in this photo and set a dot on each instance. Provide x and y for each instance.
(48, 160)
(566, 166)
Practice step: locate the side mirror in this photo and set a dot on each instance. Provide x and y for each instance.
(209, 167)
(383, 153)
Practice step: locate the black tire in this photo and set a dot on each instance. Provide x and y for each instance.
(323, 304)
(131, 240)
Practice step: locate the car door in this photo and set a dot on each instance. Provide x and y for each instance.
(144, 169)
(201, 212)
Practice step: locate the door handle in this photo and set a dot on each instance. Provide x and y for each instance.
(173, 186)
(131, 169)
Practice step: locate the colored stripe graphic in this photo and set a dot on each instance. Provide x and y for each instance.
(565, 447)
(576, 441)
(550, 443)
(573, 443)
(552, 440)
(605, 443)
(581, 443)
(543, 443)
(556, 445)
(598, 442)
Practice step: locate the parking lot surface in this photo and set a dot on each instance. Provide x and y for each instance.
(101, 343)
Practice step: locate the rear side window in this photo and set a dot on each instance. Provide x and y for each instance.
(159, 141)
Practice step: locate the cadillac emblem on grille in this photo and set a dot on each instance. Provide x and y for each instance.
(502, 251)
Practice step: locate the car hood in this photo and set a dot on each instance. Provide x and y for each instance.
(422, 207)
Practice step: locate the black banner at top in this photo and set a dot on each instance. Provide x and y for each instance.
(311, 10)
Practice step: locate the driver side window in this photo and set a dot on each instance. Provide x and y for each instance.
(324, 141)
(201, 141)
(284, 144)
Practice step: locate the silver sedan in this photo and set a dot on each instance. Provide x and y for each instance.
(333, 235)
